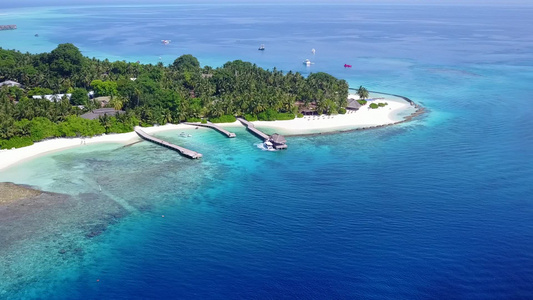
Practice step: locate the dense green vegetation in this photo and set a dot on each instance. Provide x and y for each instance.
(376, 105)
(150, 94)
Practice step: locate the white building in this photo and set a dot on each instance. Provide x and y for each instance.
(10, 83)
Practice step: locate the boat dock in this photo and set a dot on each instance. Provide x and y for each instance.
(277, 140)
(254, 130)
(183, 151)
(215, 127)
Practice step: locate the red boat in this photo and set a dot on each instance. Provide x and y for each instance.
(347, 66)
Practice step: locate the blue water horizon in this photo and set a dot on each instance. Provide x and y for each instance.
(436, 208)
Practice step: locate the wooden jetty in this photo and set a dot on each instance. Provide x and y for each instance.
(183, 151)
(277, 140)
(213, 126)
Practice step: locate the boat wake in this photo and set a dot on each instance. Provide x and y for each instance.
(264, 147)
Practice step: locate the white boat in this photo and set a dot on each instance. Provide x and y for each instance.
(307, 62)
(165, 42)
(313, 51)
(262, 47)
(268, 145)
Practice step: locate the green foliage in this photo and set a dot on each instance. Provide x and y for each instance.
(362, 102)
(299, 115)
(76, 126)
(272, 115)
(158, 95)
(194, 120)
(42, 128)
(342, 110)
(79, 97)
(362, 92)
(373, 105)
(186, 62)
(382, 104)
(104, 88)
(39, 91)
(16, 142)
(204, 121)
(66, 60)
(285, 116)
(250, 118)
(268, 115)
(224, 119)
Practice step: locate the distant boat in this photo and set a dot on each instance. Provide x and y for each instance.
(313, 51)
(36, 35)
(165, 42)
(307, 62)
(262, 47)
(347, 66)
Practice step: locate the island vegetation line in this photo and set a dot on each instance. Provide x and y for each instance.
(45, 95)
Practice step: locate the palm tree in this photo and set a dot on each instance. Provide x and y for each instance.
(362, 92)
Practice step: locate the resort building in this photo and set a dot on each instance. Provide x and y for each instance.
(10, 83)
(52, 98)
(353, 104)
(278, 141)
(96, 113)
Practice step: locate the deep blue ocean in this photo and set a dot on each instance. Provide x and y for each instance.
(437, 208)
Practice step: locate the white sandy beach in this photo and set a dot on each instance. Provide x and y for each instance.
(364, 117)
(9, 157)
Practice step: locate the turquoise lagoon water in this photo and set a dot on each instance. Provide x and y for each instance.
(435, 208)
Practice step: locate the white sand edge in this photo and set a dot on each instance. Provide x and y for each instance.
(10, 157)
(364, 117)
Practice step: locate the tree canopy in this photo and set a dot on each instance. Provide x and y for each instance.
(154, 94)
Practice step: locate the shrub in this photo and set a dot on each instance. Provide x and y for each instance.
(362, 102)
(382, 104)
(193, 120)
(16, 142)
(250, 118)
(204, 121)
(268, 115)
(342, 110)
(374, 106)
(300, 115)
(224, 119)
(284, 116)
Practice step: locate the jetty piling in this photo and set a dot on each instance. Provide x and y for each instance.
(213, 126)
(183, 151)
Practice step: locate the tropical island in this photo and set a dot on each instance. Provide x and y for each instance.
(64, 94)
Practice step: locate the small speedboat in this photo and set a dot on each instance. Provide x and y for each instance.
(262, 47)
(307, 62)
(165, 42)
(347, 66)
(36, 35)
(313, 51)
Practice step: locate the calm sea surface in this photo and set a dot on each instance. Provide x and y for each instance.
(438, 208)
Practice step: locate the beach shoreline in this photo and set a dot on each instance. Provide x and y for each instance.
(362, 119)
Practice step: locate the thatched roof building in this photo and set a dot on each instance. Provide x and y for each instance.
(95, 114)
(278, 139)
(353, 104)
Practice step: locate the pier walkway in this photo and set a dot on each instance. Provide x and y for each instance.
(277, 140)
(183, 151)
(254, 130)
(213, 126)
